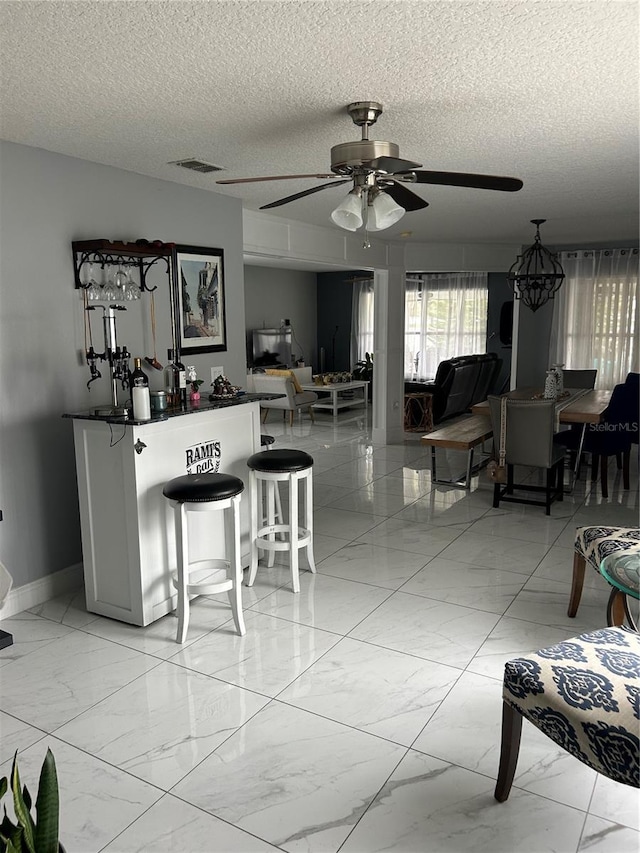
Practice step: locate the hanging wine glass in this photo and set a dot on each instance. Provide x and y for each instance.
(93, 288)
(120, 279)
(109, 291)
(131, 289)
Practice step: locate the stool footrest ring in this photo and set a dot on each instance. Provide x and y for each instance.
(204, 577)
(304, 537)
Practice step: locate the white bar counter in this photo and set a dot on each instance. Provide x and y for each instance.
(122, 466)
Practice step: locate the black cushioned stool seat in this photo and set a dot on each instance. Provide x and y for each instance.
(191, 488)
(280, 461)
(199, 493)
(269, 533)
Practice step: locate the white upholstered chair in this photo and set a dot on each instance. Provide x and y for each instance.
(294, 400)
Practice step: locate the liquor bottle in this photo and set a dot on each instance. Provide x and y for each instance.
(139, 385)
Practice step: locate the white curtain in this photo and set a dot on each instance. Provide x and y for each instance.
(445, 316)
(595, 319)
(362, 320)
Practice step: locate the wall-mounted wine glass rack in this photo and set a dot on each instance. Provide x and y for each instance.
(141, 254)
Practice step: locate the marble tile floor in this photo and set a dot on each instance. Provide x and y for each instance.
(361, 715)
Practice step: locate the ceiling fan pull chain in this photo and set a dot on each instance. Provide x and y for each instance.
(365, 218)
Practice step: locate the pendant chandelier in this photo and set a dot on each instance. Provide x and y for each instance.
(537, 275)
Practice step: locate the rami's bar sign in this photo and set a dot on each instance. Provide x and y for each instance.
(203, 458)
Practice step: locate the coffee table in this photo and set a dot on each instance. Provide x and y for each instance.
(334, 402)
(622, 571)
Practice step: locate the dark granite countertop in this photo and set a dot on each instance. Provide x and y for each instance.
(205, 404)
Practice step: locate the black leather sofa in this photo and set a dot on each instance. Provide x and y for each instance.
(460, 383)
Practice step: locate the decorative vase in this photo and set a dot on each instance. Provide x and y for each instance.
(551, 385)
(557, 368)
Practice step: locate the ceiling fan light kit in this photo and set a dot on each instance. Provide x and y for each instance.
(379, 178)
(537, 274)
(348, 214)
(383, 212)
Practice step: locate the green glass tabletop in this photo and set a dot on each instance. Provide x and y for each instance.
(622, 570)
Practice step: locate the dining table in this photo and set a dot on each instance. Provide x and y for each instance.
(580, 406)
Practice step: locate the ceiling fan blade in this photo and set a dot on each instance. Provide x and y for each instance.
(462, 179)
(302, 194)
(272, 178)
(390, 165)
(405, 197)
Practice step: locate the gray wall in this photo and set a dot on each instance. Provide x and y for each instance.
(273, 294)
(335, 293)
(46, 201)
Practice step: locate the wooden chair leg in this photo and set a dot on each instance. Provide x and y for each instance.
(265, 415)
(550, 490)
(626, 462)
(509, 479)
(604, 486)
(496, 494)
(616, 610)
(579, 566)
(509, 751)
(291, 414)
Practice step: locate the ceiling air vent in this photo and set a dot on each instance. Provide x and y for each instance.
(197, 165)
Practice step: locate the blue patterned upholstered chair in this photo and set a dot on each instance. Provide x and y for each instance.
(591, 546)
(584, 694)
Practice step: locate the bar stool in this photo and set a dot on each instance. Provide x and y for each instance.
(274, 467)
(206, 493)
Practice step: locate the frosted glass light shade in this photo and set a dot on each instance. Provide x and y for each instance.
(348, 214)
(384, 212)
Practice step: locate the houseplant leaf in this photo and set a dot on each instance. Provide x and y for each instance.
(47, 807)
(10, 837)
(22, 812)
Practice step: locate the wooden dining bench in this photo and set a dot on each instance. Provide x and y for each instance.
(464, 433)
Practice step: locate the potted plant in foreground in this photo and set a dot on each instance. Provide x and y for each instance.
(27, 835)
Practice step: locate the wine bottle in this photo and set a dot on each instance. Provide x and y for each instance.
(180, 380)
(175, 380)
(139, 385)
(169, 377)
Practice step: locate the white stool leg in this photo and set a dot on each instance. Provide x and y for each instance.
(293, 531)
(182, 555)
(308, 518)
(271, 488)
(279, 515)
(232, 546)
(255, 494)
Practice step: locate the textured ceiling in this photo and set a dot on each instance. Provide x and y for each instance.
(543, 91)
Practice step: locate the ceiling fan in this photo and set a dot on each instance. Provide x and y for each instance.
(379, 197)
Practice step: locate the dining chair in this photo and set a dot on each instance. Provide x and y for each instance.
(579, 378)
(572, 437)
(633, 382)
(582, 694)
(592, 545)
(529, 443)
(613, 436)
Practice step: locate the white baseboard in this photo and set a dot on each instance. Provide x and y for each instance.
(37, 592)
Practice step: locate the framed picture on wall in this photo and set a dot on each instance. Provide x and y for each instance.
(199, 300)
